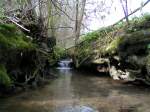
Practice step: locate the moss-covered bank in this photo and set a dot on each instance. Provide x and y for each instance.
(22, 62)
(125, 49)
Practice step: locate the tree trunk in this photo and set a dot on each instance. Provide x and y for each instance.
(78, 23)
(125, 9)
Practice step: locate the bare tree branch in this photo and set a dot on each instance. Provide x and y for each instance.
(62, 10)
(17, 24)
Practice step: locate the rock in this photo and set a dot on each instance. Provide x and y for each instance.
(114, 73)
(120, 75)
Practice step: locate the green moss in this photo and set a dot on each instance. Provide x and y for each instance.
(4, 77)
(11, 37)
(141, 34)
(8, 27)
(138, 23)
(113, 46)
(98, 34)
(138, 39)
(58, 52)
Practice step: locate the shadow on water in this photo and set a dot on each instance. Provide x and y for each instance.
(79, 91)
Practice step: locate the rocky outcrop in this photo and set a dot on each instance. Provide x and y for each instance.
(132, 52)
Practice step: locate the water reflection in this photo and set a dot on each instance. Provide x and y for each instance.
(80, 92)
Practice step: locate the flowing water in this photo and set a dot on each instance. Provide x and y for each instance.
(64, 64)
(75, 91)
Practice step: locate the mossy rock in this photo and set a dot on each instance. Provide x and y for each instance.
(4, 77)
(133, 43)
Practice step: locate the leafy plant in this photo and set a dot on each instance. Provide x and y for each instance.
(58, 53)
(92, 36)
(138, 23)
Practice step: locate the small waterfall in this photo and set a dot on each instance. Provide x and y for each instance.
(64, 64)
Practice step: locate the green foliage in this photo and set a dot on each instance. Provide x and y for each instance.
(58, 52)
(8, 28)
(56, 55)
(112, 47)
(4, 77)
(87, 47)
(11, 37)
(92, 36)
(138, 23)
(104, 31)
(120, 25)
(146, 17)
(83, 50)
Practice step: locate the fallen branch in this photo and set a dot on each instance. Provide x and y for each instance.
(17, 24)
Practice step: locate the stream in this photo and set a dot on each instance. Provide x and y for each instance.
(75, 91)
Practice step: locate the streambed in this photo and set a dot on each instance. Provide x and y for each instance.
(75, 91)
